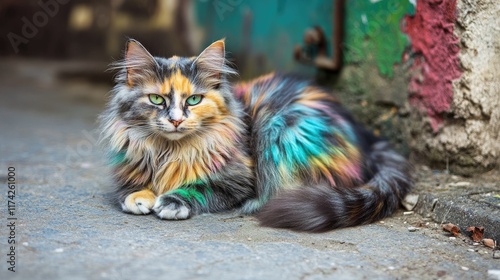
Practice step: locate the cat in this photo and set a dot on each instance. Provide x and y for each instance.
(183, 141)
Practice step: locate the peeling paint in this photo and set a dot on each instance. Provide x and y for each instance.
(436, 64)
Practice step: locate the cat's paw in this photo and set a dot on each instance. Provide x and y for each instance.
(139, 203)
(169, 207)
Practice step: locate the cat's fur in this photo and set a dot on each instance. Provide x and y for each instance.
(277, 146)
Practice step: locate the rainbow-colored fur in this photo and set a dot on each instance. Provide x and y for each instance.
(183, 140)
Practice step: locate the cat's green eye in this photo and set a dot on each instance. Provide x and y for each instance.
(156, 99)
(194, 99)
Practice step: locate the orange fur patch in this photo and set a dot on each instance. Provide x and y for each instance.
(179, 83)
(164, 87)
(176, 174)
(140, 202)
(146, 194)
(310, 95)
(212, 107)
(219, 101)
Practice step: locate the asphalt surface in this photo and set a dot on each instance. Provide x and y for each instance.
(66, 226)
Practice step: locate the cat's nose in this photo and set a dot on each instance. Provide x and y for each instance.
(176, 123)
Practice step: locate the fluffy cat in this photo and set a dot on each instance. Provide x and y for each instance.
(183, 141)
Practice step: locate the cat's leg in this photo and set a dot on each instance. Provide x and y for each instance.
(140, 202)
(228, 192)
(176, 204)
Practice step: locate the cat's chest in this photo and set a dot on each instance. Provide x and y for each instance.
(176, 168)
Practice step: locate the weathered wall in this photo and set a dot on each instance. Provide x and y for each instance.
(373, 33)
(373, 81)
(436, 62)
(455, 86)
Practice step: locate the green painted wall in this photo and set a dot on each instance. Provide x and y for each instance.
(373, 32)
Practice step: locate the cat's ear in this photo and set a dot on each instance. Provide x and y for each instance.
(139, 63)
(212, 64)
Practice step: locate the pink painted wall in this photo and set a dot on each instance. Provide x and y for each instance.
(436, 63)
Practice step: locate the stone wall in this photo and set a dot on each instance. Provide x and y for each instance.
(455, 84)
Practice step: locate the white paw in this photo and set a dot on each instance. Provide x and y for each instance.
(170, 208)
(137, 205)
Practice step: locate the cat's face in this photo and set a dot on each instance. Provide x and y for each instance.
(174, 97)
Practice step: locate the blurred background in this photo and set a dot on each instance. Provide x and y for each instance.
(261, 36)
(401, 66)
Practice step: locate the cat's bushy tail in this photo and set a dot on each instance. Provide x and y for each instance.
(321, 207)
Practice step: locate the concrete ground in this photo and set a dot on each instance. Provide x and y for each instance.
(68, 228)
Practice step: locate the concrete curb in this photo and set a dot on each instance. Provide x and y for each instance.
(463, 209)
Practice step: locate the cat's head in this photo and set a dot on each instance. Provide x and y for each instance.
(173, 97)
